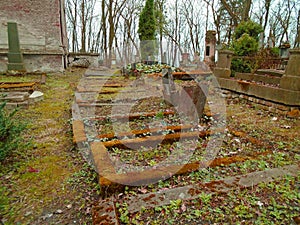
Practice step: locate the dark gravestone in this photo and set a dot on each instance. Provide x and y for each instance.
(192, 100)
(15, 57)
(169, 90)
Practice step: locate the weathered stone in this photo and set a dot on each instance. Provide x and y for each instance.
(152, 141)
(104, 212)
(279, 95)
(78, 131)
(192, 99)
(101, 159)
(15, 57)
(14, 96)
(142, 132)
(190, 192)
(36, 96)
(224, 63)
(258, 78)
(291, 78)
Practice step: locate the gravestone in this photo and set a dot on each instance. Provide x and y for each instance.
(189, 99)
(291, 78)
(224, 63)
(169, 90)
(15, 57)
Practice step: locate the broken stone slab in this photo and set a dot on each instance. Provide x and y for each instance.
(160, 198)
(78, 132)
(36, 96)
(17, 86)
(153, 141)
(105, 212)
(142, 132)
(14, 96)
(14, 105)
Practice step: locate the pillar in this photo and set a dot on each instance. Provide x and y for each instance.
(291, 79)
(224, 63)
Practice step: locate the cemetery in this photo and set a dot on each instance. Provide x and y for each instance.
(213, 139)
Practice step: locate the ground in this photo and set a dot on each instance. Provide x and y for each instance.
(48, 182)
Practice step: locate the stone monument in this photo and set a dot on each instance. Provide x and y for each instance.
(15, 57)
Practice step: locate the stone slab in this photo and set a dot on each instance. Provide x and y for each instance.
(279, 95)
(104, 212)
(191, 192)
(78, 131)
(36, 96)
(13, 105)
(14, 96)
(142, 132)
(101, 159)
(259, 78)
(136, 143)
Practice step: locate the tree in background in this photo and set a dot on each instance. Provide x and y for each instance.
(160, 16)
(245, 44)
(147, 30)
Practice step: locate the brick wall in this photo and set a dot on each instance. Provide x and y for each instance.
(39, 25)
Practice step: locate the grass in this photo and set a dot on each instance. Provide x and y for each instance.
(50, 175)
(248, 206)
(49, 183)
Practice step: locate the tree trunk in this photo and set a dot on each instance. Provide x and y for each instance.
(246, 10)
(104, 28)
(83, 27)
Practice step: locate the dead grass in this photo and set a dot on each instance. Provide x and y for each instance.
(36, 181)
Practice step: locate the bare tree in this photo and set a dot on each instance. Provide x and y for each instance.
(297, 38)
(72, 13)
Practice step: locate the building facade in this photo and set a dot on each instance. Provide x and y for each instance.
(42, 33)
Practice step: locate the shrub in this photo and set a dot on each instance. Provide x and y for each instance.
(10, 132)
(248, 27)
(245, 45)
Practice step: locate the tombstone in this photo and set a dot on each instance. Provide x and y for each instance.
(185, 58)
(169, 90)
(191, 100)
(15, 57)
(224, 63)
(271, 42)
(164, 59)
(196, 58)
(261, 43)
(284, 50)
(137, 58)
(291, 79)
(113, 60)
